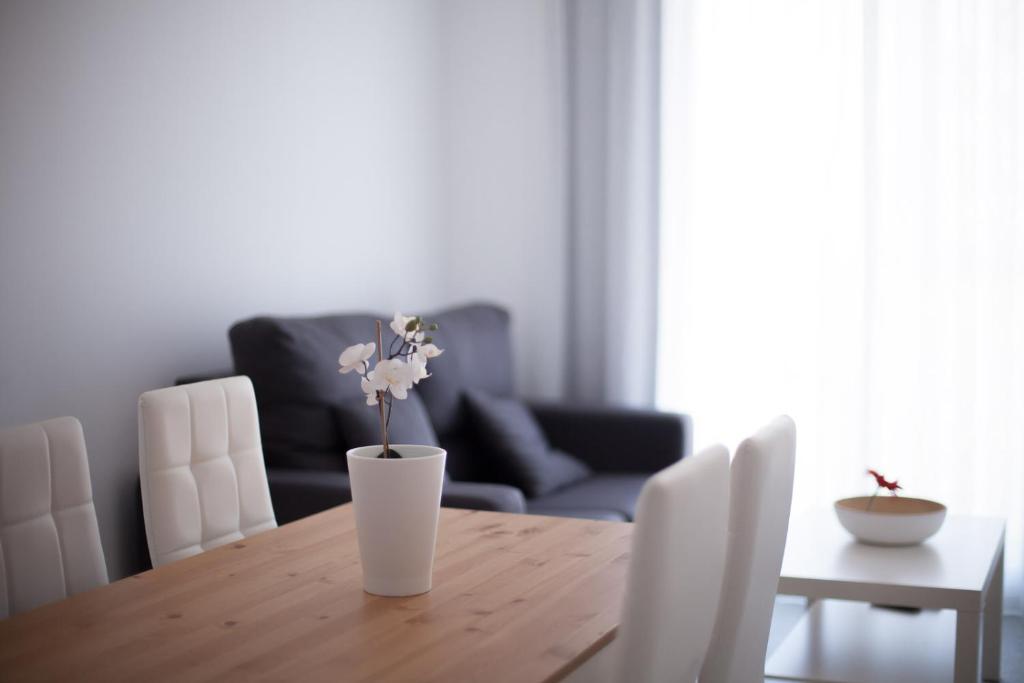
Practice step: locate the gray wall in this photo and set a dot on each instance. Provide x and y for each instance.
(505, 208)
(167, 168)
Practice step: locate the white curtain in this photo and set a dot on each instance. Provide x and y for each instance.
(613, 206)
(843, 240)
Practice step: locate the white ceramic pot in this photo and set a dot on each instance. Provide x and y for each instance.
(890, 520)
(397, 502)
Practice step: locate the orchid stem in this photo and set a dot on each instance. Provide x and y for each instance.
(380, 398)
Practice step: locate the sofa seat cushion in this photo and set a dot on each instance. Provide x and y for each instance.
(605, 491)
(581, 513)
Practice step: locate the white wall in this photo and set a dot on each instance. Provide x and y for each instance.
(505, 210)
(167, 168)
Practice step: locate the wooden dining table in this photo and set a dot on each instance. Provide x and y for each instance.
(515, 598)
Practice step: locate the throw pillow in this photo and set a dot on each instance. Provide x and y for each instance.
(522, 453)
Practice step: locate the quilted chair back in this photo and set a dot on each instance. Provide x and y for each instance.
(201, 464)
(49, 540)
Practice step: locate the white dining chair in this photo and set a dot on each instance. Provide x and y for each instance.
(204, 483)
(675, 576)
(49, 540)
(760, 498)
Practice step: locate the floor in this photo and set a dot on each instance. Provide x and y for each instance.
(789, 610)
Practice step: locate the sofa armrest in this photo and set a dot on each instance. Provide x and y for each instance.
(301, 493)
(616, 439)
(474, 496)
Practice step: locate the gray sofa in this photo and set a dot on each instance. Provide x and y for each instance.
(292, 364)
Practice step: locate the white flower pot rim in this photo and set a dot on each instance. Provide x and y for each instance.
(408, 451)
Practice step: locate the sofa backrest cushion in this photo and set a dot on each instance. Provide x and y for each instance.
(478, 355)
(293, 365)
(294, 361)
(408, 424)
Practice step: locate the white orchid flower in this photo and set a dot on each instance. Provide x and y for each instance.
(429, 351)
(366, 384)
(399, 373)
(355, 357)
(417, 368)
(393, 375)
(399, 322)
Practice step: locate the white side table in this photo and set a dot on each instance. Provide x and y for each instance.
(958, 569)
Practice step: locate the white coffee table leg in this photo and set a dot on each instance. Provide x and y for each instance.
(967, 668)
(993, 624)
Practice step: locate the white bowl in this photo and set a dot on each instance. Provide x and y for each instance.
(890, 520)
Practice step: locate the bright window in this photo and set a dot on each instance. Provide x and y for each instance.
(843, 240)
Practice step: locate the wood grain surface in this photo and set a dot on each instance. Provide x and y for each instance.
(516, 598)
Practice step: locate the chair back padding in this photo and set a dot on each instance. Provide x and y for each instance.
(204, 483)
(49, 539)
(675, 572)
(762, 491)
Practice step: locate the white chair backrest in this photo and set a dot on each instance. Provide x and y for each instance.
(762, 491)
(49, 540)
(204, 483)
(675, 572)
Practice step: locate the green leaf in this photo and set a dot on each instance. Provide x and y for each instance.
(427, 340)
(412, 324)
(433, 326)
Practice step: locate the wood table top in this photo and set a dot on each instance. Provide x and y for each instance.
(516, 598)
